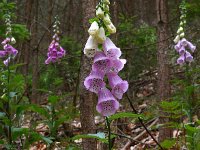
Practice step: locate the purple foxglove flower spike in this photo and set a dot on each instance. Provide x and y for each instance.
(110, 49)
(181, 59)
(188, 57)
(101, 62)
(94, 82)
(117, 65)
(119, 87)
(107, 104)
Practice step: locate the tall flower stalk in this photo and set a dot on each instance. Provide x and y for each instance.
(55, 51)
(9, 53)
(182, 45)
(106, 65)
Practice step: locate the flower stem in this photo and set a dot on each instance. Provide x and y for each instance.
(8, 107)
(109, 133)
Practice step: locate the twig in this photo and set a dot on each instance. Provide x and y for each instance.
(140, 120)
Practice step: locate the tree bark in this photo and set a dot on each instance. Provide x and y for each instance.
(163, 63)
(35, 75)
(87, 98)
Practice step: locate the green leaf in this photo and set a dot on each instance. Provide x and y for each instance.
(169, 143)
(16, 132)
(98, 136)
(124, 115)
(53, 99)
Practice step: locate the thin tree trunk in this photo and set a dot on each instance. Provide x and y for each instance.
(87, 99)
(35, 75)
(163, 63)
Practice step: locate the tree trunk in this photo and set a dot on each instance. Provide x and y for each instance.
(163, 62)
(35, 75)
(87, 99)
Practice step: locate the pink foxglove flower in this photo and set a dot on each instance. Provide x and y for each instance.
(117, 65)
(181, 59)
(188, 57)
(119, 87)
(94, 82)
(111, 50)
(107, 105)
(101, 62)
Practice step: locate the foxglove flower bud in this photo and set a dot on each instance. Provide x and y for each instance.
(101, 36)
(13, 41)
(106, 19)
(180, 30)
(177, 39)
(90, 47)
(94, 29)
(99, 12)
(111, 28)
(182, 35)
(107, 2)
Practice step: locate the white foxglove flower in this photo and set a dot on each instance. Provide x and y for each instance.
(111, 28)
(101, 36)
(182, 35)
(180, 30)
(181, 23)
(177, 39)
(99, 12)
(107, 2)
(13, 41)
(106, 19)
(90, 47)
(94, 28)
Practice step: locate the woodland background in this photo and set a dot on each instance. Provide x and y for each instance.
(157, 85)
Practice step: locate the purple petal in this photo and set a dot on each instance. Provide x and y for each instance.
(7, 61)
(3, 54)
(113, 79)
(184, 42)
(110, 49)
(182, 50)
(101, 62)
(94, 82)
(107, 104)
(181, 60)
(188, 57)
(48, 60)
(120, 89)
(191, 46)
(178, 46)
(118, 65)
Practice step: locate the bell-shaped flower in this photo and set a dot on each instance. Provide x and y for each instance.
(188, 57)
(107, 105)
(111, 28)
(94, 82)
(181, 59)
(178, 46)
(117, 65)
(101, 63)
(2, 54)
(10, 50)
(119, 87)
(94, 29)
(7, 61)
(101, 36)
(90, 47)
(191, 46)
(110, 49)
(181, 51)
(177, 38)
(106, 19)
(6, 41)
(99, 12)
(184, 42)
